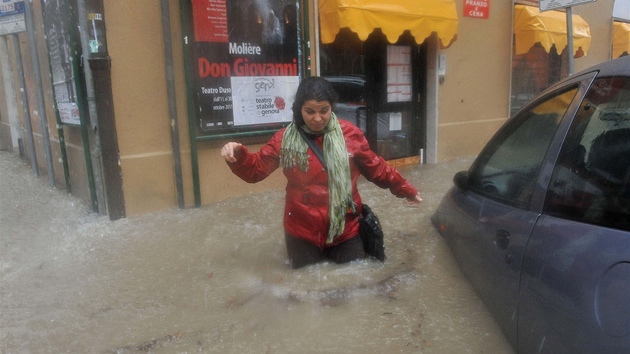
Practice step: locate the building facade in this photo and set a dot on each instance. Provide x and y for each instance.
(131, 113)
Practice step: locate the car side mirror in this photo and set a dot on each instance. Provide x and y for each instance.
(461, 180)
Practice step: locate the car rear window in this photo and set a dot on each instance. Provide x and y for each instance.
(591, 181)
(349, 92)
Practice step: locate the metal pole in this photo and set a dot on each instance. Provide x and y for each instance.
(317, 70)
(570, 39)
(10, 101)
(41, 108)
(304, 46)
(91, 101)
(30, 142)
(101, 68)
(172, 106)
(81, 101)
(60, 133)
(185, 9)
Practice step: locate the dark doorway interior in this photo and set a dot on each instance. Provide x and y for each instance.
(381, 88)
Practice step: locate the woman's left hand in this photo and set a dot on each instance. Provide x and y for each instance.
(415, 201)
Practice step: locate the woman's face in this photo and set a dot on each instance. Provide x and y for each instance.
(316, 114)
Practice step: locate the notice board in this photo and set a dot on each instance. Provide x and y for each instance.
(64, 48)
(12, 17)
(398, 73)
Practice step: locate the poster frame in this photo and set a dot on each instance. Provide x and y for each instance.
(192, 68)
(192, 106)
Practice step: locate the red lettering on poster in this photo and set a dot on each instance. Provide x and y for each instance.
(477, 8)
(210, 20)
(242, 67)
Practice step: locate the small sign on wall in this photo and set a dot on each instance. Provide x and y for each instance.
(477, 8)
(12, 17)
(545, 5)
(399, 77)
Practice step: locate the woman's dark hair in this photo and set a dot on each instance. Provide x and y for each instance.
(312, 88)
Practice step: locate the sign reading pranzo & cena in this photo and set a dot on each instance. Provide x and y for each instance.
(477, 8)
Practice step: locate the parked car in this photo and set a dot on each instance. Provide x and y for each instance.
(540, 222)
(351, 103)
(351, 106)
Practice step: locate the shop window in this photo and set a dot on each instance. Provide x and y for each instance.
(535, 71)
(343, 56)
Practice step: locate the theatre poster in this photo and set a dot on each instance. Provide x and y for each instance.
(246, 64)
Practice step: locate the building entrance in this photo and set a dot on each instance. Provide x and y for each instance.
(381, 88)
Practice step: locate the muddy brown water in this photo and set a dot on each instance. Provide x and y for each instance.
(215, 279)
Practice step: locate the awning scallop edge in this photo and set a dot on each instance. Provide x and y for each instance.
(621, 39)
(421, 18)
(549, 27)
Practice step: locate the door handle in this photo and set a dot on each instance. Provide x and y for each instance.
(502, 239)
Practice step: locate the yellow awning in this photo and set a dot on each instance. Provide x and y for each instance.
(393, 17)
(549, 27)
(621, 39)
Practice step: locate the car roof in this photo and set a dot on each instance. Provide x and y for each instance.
(616, 67)
(355, 79)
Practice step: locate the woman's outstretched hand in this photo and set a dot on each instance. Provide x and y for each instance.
(415, 201)
(228, 151)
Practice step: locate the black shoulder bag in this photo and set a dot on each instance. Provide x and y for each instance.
(369, 226)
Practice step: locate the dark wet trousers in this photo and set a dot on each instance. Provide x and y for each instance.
(302, 253)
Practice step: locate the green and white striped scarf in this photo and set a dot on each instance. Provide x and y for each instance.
(293, 152)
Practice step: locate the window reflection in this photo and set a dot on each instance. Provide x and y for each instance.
(592, 180)
(509, 167)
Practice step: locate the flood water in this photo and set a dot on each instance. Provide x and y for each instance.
(215, 279)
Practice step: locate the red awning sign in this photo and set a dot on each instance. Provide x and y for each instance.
(477, 8)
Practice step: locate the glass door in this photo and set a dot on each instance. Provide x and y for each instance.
(381, 89)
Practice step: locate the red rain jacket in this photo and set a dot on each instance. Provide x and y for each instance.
(306, 205)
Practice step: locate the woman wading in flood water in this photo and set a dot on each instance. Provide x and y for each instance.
(322, 204)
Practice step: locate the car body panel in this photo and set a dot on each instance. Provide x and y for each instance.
(574, 297)
(489, 247)
(554, 285)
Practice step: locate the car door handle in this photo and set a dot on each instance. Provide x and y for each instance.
(502, 239)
